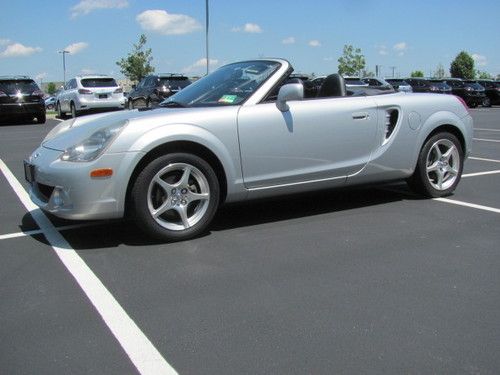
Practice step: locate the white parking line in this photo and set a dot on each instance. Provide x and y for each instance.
(489, 130)
(486, 140)
(481, 173)
(139, 349)
(483, 159)
(39, 231)
(471, 205)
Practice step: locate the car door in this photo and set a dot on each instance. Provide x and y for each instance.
(317, 139)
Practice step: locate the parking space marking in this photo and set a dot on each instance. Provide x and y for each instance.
(489, 130)
(481, 173)
(483, 159)
(143, 354)
(39, 231)
(486, 140)
(465, 204)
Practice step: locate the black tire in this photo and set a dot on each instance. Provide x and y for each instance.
(41, 118)
(486, 102)
(185, 178)
(60, 114)
(437, 174)
(74, 113)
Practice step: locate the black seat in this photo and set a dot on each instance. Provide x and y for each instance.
(333, 85)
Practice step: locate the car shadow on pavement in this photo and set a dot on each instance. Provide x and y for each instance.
(113, 233)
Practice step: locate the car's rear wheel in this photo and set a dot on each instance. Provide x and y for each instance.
(439, 166)
(60, 114)
(486, 102)
(74, 113)
(41, 118)
(175, 197)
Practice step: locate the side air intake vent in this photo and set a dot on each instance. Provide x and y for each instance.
(391, 119)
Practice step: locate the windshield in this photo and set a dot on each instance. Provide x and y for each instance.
(10, 87)
(230, 85)
(99, 82)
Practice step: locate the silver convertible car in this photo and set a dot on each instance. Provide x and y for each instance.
(245, 131)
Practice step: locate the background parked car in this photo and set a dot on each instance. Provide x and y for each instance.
(491, 89)
(153, 89)
(471, 92)
(21, 98)
(419, 84)
(89, 93)
(439, 86)
(354, 82)
(400, 84)
(50, 102)
(378, 83)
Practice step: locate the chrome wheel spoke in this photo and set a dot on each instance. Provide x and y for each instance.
(449, 153)
(182, 211)
(164, 185)
(193, 197)
(167, 205)
(184, 181)
(437, 151)
(433, 167)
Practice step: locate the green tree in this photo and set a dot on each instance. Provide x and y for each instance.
(439, 73)
(483, 75)
(137, 64)
(352, 62)
(51, 88)
(417, 73)
(463, 66)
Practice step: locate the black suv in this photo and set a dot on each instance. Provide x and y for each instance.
(419, 84)
(471, 92)
(492, 91)
(21, 99)
(153, 89)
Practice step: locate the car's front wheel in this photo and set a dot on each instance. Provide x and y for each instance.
(60, 114)
(175, 197)
(439, 166)
(41, 118)
(74, 113)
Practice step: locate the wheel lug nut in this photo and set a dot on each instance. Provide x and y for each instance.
(183, 201)
(184, 191)
(174, 191)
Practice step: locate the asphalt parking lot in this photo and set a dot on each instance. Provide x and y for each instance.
(368, 280)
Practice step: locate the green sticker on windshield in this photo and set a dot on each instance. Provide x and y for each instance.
(228, 99)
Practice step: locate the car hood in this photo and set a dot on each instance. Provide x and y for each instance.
(71, 132)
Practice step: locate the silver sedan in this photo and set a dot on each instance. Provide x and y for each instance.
(245, 131)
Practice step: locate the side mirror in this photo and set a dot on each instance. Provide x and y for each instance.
(291, 91)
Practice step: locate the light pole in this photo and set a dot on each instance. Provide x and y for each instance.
(206, 33)
(64, 52)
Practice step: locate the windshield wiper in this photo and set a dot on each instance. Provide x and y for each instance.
(173, 104)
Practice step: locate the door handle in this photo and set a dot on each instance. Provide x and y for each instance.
(360, 116)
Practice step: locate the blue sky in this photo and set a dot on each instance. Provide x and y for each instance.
(407, 35)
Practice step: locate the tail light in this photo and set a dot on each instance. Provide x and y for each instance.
(119, 90)
(85, 92)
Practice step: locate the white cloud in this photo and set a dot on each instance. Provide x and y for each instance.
(84, 7)
(289, 40)
(400, 48)
(251, 28)
(382, 49)
(17, 50)
(76, 47)
(480, 59)
(87, 71)
(314, 43)
(200, 66)
(164, 23)
(40, 76)
(4, 42)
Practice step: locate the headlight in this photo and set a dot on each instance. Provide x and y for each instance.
(93, 146)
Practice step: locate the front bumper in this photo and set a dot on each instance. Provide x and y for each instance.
(66, 190)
